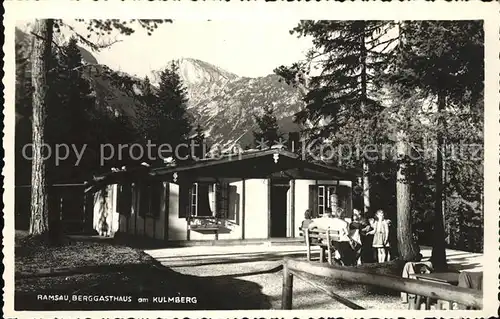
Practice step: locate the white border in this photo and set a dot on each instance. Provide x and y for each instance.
(255, 10)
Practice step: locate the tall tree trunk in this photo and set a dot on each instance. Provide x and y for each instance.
(439, 248)
(408, 250)
(366, 187)
(443, 198)
(364, 98)
(39, 223)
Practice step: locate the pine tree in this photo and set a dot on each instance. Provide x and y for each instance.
(444, 61)
(69, 114)
(41, 56)
(351, 56)
(173, 122)
(200, 143)
(347, 52)
(147, 115)
(43, 31)
(268, 129)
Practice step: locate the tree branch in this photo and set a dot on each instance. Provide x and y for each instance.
(90, 44)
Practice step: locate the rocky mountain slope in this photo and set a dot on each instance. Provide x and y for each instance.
(223, 103)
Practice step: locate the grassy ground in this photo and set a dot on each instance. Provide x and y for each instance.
(106, 268)
(137, 275)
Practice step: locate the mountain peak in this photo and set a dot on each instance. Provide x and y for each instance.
(194, 72)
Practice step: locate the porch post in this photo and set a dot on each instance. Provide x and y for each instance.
(292, 208)
(243, 195)
(269, 207)
(135, 201)
(166, 210)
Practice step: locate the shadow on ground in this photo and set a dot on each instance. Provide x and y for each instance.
(96, 276)
(155, 283)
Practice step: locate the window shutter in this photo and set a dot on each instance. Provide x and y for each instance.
(119, 201)
(124, 199)
(184, 200)
(313, 200)
(226, 202)
(222, 200)
(218, 200)
(343, 197)
(156, 188)
(144, 199)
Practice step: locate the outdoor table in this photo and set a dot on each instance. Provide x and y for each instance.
(447, 278)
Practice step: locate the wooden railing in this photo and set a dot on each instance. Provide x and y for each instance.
(304, 269)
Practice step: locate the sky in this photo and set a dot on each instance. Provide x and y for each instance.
(247, 48)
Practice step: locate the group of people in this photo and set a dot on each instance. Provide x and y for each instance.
(360, 240)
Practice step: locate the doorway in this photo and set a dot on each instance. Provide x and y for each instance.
(278, 218)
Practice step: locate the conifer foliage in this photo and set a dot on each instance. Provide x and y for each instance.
(370, 83)
(268, 132)
(43, 31)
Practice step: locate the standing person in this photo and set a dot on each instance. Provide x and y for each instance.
(367, 252)
(381, 236)
(355, 233)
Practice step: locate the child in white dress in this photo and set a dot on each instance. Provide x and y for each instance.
(380, 236)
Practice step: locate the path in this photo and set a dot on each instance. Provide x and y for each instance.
(247, 262)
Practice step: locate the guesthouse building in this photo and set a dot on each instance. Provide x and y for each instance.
(260, 194)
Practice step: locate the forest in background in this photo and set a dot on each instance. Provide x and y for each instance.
(416, 86)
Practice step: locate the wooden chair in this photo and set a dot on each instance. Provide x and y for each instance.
(331, 236)
(323, 239)
(312, 238)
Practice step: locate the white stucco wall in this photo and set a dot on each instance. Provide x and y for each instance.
(177, 227)
(256, 208)
(301, 201)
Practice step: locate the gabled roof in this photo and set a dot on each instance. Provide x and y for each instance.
(257, 164)
(244, 165)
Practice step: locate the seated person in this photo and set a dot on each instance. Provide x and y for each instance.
(305, 225)
(412, 268)
(341, 244)
(307, 220)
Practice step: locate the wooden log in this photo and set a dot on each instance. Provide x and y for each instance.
(464, 296)
(286, 296)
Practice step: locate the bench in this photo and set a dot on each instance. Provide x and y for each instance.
(323, 239)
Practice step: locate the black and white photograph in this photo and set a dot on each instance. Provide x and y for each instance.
(281, 164)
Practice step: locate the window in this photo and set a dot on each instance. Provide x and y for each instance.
(203, 199)
(322, 197)
(327, 198)
(124, 199)
(209, 199)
